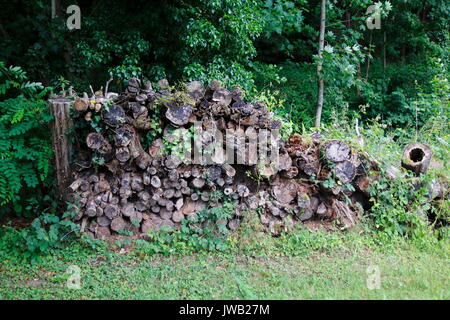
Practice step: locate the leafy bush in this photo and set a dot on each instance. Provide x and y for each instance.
(205, 231)
(46, 233)
(25, 146)
(400, 207)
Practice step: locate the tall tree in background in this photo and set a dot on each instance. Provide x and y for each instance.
(319, 64)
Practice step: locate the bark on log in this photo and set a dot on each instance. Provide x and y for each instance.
(62, 147)
(417, 157)
(345, 171)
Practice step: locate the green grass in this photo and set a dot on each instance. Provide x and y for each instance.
(339, 272)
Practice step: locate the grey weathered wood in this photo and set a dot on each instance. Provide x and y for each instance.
(62, 147)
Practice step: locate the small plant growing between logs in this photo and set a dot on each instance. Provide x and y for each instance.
(204, 231)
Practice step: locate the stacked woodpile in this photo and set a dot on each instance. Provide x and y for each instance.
(124, 180)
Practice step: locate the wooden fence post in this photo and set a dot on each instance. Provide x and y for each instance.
(62, 123)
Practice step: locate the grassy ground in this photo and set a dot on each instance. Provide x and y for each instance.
(406, 272)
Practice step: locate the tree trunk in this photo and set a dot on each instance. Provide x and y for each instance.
(60, 109)
(368, 58)
(319, 64)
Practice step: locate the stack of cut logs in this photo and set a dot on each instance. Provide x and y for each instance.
(120, 183)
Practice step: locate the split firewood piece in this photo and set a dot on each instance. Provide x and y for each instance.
(307, 166)
(125, 192)
(144, 196)
(123, 136)
(213, 86)
(194, 197)
(152, 171)
(179, 203)
(336, 151)
(118, 224)
(141, 206)
(198, 183)
(250, 120)
(308, 205)
(273, 209)
(179, 115)
(85, 186)
(183, 183)
(155, 182)
(165, 214)
(220, 182)
(134, 85)
(212, 173)
(343, 213)
(345, 171)
(185, 190)
(128, 210)
(285, 192)
(173, 175)
(135, 147)
(146, 178)
(191, 207)
(75, 185)
(172, 162)
(196, 172)
(155, 209)
(103, 221)
(91, 209)
(137, 183)
(284, 162)
(166, 183)
(222, 97)
(141, 99)
(111, 211)
(80, 105)
(152, 224)
(140, 113)
(123, 154)
(142, 123)
(101, 186)
(195, 89)
(417, 157)
(96, 141)
(237, 94)
(169, 193)
(242, 191)
(143, 160)
(93, 178)
(177, 216)
(322, 210)
(148, 89)
(229, 170)
(114, 115)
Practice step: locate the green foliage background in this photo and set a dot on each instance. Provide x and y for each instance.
(255, 44)
(25, 145)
